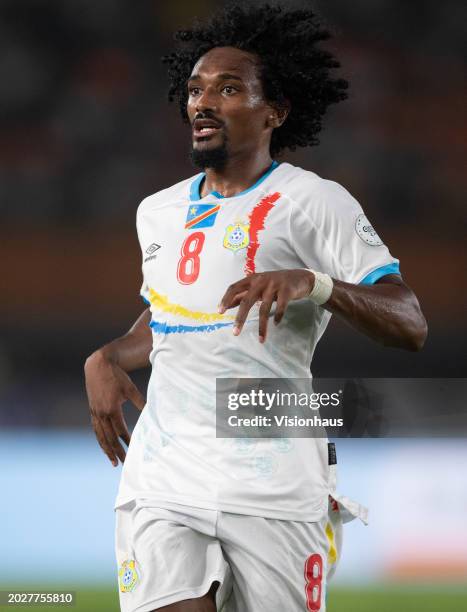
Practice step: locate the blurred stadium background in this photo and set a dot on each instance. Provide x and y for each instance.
(86, 134)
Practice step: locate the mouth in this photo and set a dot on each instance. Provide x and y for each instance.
(205, 128)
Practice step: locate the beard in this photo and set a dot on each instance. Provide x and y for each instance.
(210, 158)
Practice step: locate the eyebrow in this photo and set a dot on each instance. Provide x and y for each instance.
(222, 77)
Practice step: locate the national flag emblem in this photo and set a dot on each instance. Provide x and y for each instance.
(201, 215)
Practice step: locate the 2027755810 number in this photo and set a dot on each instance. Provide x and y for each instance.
(8, 598)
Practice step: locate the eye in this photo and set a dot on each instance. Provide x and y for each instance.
(194, 91)
(229, 89)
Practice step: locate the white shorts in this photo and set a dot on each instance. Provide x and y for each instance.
(261, 565)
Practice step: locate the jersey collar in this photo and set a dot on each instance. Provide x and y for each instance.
(195, 185)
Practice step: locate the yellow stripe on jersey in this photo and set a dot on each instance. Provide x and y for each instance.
(332, 553)
(162, 303)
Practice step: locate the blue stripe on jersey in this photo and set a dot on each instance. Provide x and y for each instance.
(372, 277)
(145, 300)
(195, 185)
(163, 328)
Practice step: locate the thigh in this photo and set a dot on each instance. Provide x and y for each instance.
(279, 565)
(162, 561)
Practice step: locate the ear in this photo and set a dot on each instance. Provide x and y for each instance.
(277, 115)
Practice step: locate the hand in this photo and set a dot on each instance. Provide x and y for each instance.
(282, 287)
(108, 387)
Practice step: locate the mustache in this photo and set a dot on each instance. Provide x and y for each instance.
(207, 115)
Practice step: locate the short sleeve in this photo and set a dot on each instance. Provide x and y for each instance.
(332, 234)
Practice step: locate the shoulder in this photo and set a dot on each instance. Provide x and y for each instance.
(167, 197)
(306, 188)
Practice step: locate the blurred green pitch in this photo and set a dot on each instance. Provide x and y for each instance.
(383, 599)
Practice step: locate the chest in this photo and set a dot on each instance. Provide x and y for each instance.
(197, 250)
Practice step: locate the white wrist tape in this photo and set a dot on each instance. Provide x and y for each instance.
(322, 288)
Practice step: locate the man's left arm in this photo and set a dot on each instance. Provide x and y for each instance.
(387, 311)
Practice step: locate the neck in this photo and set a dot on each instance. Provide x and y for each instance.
(237, 175)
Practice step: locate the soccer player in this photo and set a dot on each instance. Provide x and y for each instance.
(243, 265)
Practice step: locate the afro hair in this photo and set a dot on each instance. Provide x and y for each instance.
(294, 71)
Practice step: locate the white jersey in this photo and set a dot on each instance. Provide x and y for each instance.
(193, 249)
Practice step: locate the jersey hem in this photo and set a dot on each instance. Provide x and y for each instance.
(181, 595)
(174, 503)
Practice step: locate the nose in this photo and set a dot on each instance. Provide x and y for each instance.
(206, 101)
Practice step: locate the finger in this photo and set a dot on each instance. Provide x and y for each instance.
(245, 307)
(100, 435)
(238, 287)
(121, 428)
(135, 396)
(282, 301)
(264, 311)
(112, 438)
(235, 301)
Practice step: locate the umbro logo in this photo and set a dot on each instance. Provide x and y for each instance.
(152, 248)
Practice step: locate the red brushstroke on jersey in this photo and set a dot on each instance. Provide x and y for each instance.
(257, 217)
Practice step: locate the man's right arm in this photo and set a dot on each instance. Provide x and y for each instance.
(108, 385)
